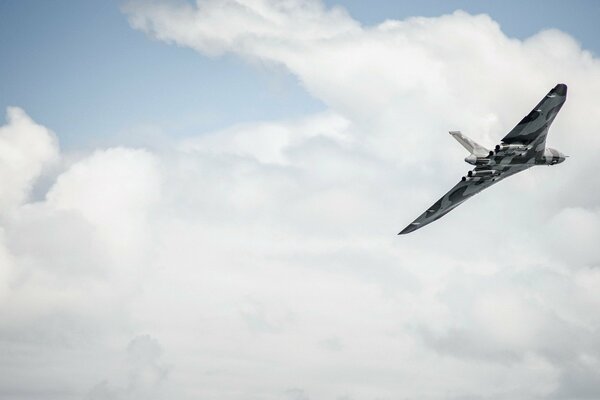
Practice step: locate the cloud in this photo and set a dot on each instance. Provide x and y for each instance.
(213, 27)
(26, 149)
(146, 373)
(261, 260)
(296, 394)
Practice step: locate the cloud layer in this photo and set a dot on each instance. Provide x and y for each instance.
(261, 261)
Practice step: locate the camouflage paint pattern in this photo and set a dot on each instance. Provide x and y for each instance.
(522, 148)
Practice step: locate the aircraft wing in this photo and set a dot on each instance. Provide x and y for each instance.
(532, 129)
(458, 194)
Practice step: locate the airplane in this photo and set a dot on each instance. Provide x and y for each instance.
(522, 148)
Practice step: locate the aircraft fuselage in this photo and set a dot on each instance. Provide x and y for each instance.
(517, 156)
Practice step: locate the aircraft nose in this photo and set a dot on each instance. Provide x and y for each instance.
(562, 157)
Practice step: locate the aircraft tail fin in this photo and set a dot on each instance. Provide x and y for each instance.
(469, 144)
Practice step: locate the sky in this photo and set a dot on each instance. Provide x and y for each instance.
(201, 200)
(78, 68)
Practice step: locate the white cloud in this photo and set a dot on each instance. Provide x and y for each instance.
(263, 257)
(25, 149)
(146, 373)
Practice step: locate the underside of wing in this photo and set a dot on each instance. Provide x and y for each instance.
(463, 190)
(532, 129)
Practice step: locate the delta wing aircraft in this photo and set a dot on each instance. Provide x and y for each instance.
(522, 148)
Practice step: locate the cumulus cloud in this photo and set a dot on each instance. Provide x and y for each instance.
(26, 149)
(263, 257)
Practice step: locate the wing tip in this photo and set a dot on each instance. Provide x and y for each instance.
(560, 89)
(410, 228)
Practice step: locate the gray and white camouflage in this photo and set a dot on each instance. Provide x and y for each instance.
(522, 148)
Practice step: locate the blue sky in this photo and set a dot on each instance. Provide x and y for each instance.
(78, 68)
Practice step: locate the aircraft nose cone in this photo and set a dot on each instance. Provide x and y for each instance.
(561, 157)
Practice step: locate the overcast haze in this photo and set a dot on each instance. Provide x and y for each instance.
(249, 250)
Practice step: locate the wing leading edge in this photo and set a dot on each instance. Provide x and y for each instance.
(531, 131)
(457, 195)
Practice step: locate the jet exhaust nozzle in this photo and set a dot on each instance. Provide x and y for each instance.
(510, 148)
(485, 172)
